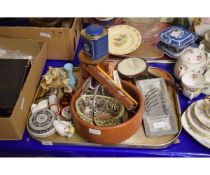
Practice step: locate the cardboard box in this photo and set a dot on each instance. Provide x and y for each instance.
(12, 128)
(61, 42)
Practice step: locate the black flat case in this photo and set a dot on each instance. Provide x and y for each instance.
(13, 73)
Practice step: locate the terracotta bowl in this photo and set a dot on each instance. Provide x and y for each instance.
(110, 134)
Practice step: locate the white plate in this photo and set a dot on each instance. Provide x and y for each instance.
(203, 141)
(123, 39)
(194, 124)
(200, 113)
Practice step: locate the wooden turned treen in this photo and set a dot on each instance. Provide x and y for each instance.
(85, 60)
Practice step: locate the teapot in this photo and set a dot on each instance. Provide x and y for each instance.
(191, 60)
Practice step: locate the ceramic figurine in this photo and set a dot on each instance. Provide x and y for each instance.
(41, 105)
(53, 104)
(64, 128)
(69, 69)
(56, 78)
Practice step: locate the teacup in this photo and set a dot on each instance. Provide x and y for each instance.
(193, 84)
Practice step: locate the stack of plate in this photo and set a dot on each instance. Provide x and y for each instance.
(175, 39)
(196, 121)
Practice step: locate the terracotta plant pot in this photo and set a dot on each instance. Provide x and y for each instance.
(110, 134)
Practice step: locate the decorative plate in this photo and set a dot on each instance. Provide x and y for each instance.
(200, 114)
(177, 36)
(123, 39)
(194, 123)
(40, 123)
(202, 140)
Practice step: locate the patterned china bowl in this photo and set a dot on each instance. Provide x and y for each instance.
(108, 111)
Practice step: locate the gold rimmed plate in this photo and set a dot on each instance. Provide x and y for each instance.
(123, 39)
(188, 120)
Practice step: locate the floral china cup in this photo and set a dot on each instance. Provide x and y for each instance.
(193, 84)
(191, 60)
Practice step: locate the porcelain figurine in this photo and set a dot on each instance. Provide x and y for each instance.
(69, 69)
(64, 128)
(191, 60)
(56, 78)
(41, 105)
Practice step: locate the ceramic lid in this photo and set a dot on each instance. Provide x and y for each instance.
(94, 30)
(40, 123)
(193, 55)
(177, 36)
(131, 66)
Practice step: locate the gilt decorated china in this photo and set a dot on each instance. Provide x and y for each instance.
(191, 60)
(123, 39)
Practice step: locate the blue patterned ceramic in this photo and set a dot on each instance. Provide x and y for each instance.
(170, 51)
(177, 37)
